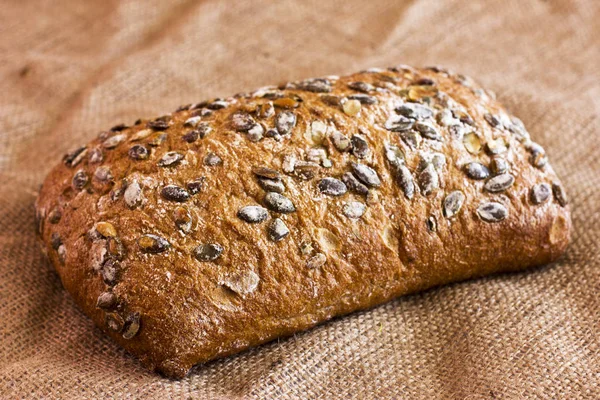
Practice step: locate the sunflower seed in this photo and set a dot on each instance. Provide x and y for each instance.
(114, 141)
(279, 203)
(360, 147)
(243, 282)
(95, 155)
(492, 120)
(463, 117)
(139, 135)
(192, 121)
(428, 131)
(80, 179)
(175, 193)
(277, 230)
(394, 155)
(73, 158)
(331, 99)
(253, 214)
(217, 105)
(538, 159)
(353, 184)
(203, 129)
(499, 165)
(492, 212)
(62, 253)
(497, 146)
(158, 125)
(332, 186)
(366, 174)
(157, 140)
(405, 180)
(306, 170)
(212, 160)
(317, 85)
(271, 185)
(411, 138)
(361, 87)
(540, 193)
(182, 219)
(453, 203)
(499, 183)
(266, 110)
(351, 107)
(424, 82)
(354, 209)
(472, 143)
(110, 272)
(398, 123)
(132, 326)
(153, 244)
(106, 229)
(457, 131)
(208, 252)
(415, 111)
(55, 215)
(364, 99)
(475, 170)
(265, 172)
(431, 224)
(114, 322)
(340, 141)
(242, 122)
(285, 121)
(170, 159)
(256, 133)
(316, 261)
(103, 174)
(429, 180)
(191, 136)
(107, 301)
(138, 152)
(285, 102)
(559, 194)
(55, 240)
(133, 194)
(195, 186)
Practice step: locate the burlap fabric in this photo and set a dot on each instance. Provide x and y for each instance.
(71, 68)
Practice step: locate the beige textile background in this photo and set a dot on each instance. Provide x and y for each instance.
(71, 68)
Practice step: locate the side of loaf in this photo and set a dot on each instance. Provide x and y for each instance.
(232, 222)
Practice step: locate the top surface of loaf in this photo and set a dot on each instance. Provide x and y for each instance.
(199, 222)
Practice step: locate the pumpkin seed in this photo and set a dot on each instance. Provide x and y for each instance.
(191, 136)
(266, 110)
(106, 229)
(279, 203)
(115, 248)
(277, 230)
(170, 159)
(354, 209)
(153, 244)
(472, 143)
(175, 193)
(95, 155)
(208, 252)
(499, 165)
(453, 203)
(110, 272)
(212, 160)
(492, 212)
(255, 133)
(114, 322)
(195, 186)
(243, 282)
(139, 135)
(241, 121)
(183, 219)
(340, 141)
(332, 187)
(497, 146)
(114, 141)
(559, 194)
(253, 214)
(157, 140)
(353, 184)
(475, 170)
(285, 102)
(132, 326)
(499, 183)
(366, 174)
(192, 121)
(285, 121)
(540, 193)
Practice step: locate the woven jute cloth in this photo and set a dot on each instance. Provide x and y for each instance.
(71, 68)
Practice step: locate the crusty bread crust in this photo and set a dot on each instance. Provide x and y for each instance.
(360, 188)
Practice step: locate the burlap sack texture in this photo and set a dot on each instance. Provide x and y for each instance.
(71, 68)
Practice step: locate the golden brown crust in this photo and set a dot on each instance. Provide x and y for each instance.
(148, 227)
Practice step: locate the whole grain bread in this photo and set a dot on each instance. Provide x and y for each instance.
(232, 222)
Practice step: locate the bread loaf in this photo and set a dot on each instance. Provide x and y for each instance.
(232, 222)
